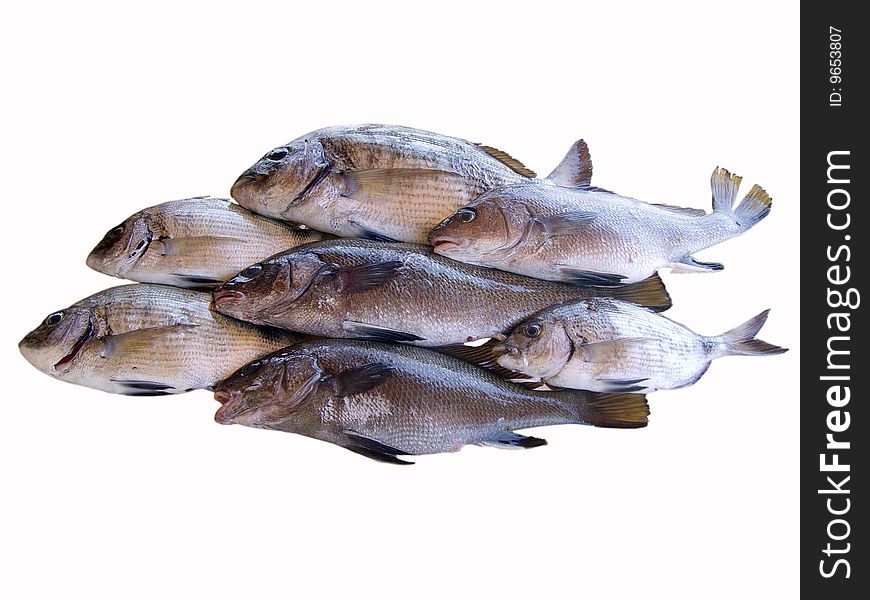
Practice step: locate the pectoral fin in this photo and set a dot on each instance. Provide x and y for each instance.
(142, 341)
(609, 350)
(374, 332)
(386, 185)
(374, 449)
(360, 379)
(567, 223)
(187, 245)
(364, 277)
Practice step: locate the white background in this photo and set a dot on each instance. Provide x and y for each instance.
(106, 110)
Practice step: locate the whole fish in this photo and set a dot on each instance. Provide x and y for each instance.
(383, 400)
(588, 235)
(610, 346)
(397, 292)
(197, 242)
(145, 340)
(381, 181)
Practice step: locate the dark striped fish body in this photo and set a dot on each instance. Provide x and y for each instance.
(385, 400)
(397, 292)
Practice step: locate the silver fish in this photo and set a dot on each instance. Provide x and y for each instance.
(592, 236)
(197, 242)
(384, 400)
(382, 182)
(144, 339)
(397, 292)
(610, 346)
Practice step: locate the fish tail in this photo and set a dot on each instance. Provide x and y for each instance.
(624, 411)
(650, 292)
(742, 340)
(752, 209)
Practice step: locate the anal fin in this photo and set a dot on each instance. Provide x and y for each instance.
(689, 264)
(513, 441)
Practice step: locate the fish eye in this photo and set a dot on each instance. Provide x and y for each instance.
(54, 318)
(252, 271)
(250, 368)
(115, 233)
(466, 215)
(277, 154)
(533, 330)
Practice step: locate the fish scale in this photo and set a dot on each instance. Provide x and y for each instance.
(434, 299)
(353, 181)
(423, 403)
(156, 334)
(584, 234)
(607, 345)
(194, 242)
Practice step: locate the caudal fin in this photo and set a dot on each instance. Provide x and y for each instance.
(752, 209)
(742, 340)
(650, 292)
(623, 411)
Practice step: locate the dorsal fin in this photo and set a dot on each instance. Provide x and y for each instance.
(575, 169)
(693, 212)
(507, 159)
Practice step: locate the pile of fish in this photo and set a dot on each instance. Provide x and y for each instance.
(399, 292)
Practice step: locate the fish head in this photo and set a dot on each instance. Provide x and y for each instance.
(486, 230)
(54, 346)
(286, 174)
(266, 392)
(266, 290)
(122, 246)
(538, 348)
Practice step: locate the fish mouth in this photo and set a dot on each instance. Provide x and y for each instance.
(248, 177)
(223, 396)
(224, 297)
(502, 349)
(442, 243)
(77, 347)
(230, 407)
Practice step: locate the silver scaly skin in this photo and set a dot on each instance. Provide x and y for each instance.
(377, 181)
(397, 292)
(610, 346)
(586, 235)
(145, 339)
(196, 242)
(385, 400)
